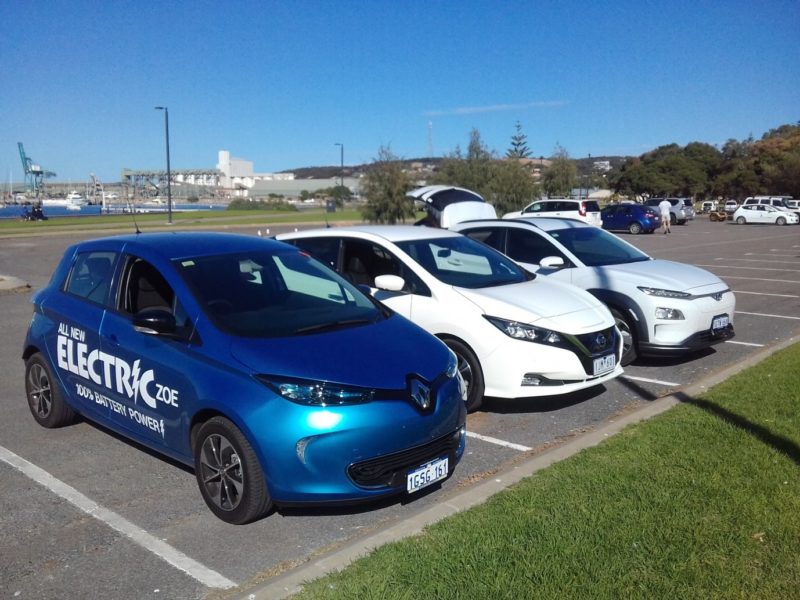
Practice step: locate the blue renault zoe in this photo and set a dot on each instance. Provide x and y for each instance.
(276, 379)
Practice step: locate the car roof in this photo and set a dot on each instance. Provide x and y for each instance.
(183, 244)
(391, 233)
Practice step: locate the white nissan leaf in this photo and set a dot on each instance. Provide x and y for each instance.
(515, 334)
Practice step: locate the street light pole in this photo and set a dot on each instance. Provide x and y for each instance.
(341, 159)
(169, 177)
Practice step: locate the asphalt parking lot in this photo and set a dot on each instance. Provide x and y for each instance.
(85, 511)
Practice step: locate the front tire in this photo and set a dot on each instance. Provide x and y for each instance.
(780, 221)
(741, 220)
(470, 370)
(626, 328)
(634, 228)
(44, 395)
(228, 473)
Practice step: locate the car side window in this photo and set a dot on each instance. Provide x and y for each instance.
(491, 236)
(540, 207)
(91, 275)
(529, 247)
(324, 249)
(363, 261)
(144, 287)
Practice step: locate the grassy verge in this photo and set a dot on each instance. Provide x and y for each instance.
(700, 502)
(181, 220)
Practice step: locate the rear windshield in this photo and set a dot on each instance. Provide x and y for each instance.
(592, 206)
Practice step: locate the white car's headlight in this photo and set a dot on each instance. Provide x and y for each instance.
(664, 293)
(522, 331)
(669, 314)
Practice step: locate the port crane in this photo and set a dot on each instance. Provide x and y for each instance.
(34, 173)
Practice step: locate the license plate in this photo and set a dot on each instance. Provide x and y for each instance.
(720, 322)
(604, 364)
(426, 475)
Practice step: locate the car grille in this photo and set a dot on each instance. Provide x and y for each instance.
(597, 344)
(391, 470)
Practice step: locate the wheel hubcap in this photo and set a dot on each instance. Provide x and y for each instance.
(221, 472)
(466, 374)
(39, 393)
(627, 336)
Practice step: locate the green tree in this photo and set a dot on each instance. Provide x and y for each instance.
(519, 144)
(559, 178)
(512, 186)
(385, 186)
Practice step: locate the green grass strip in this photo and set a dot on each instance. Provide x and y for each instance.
(700, 502)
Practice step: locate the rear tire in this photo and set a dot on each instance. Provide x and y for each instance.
(635, 228)
(44, 395)
(741, 220)
(629, 341)
(470, 370)
(228, 473)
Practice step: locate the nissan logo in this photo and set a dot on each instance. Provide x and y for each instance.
(717, 296)
(600, 341)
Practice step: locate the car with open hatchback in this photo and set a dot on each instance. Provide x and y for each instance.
(660, 306)
(515, 335)
(277, 380)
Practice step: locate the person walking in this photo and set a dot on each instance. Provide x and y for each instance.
(664, 208)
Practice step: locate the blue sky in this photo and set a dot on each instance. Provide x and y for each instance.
(279, 83)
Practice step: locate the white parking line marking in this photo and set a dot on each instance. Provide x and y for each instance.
(646, 380)
(491, 440)
(744, 343)
(766, 294)
(750, 268)
(770, 255)
(176, 558)
(741, 312)
(761, 279)
(763, 260)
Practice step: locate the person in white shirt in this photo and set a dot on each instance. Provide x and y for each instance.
(663, 208)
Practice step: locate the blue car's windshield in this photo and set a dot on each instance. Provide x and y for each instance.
(463, 262)
(260, 294)
(595, 247)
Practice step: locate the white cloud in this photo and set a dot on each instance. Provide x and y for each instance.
(471, 110)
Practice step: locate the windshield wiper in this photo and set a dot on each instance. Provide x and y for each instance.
(333, 325)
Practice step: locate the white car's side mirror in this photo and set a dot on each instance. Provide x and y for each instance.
(552, 262)
(390, 283)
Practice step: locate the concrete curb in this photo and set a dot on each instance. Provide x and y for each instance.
(9, 284)
(292, 582)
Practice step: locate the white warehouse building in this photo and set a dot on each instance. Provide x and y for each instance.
(237, 173)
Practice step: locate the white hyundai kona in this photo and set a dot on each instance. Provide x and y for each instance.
(662, 308)
(515, 334)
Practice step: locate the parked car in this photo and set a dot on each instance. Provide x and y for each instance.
(275, 378)
(780, 202)
(677, 212)
(731, 206)
(688, 208)
(583, 210)
(661, 307)
(515, 335)
(764, 213)
(708, 206)
(633, 218)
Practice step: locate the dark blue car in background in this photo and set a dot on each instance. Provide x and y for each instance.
(633, 218)
(276, 379)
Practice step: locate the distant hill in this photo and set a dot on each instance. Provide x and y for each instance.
(585, 165)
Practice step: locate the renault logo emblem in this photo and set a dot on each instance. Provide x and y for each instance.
(420, 394)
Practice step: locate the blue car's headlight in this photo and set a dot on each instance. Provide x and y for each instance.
(452, 364)
(316, 393)
(522, 331)
(664, 293)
